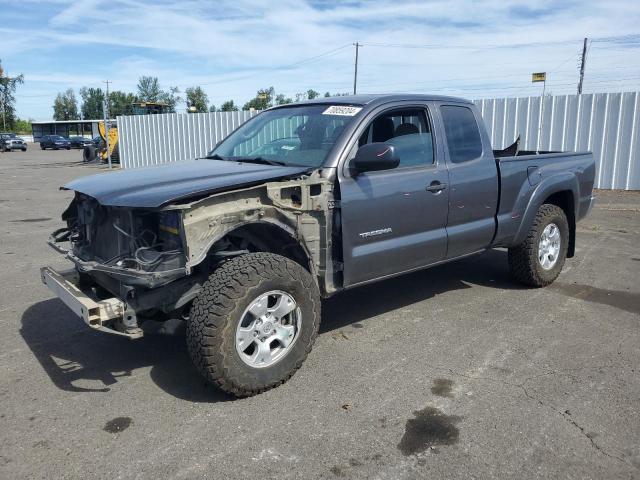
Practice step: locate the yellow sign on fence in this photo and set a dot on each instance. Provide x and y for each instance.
(538, 77)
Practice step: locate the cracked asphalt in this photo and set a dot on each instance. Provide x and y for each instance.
(453, 372)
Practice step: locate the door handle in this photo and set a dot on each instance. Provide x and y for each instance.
(436, 187)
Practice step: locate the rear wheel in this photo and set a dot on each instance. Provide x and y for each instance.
(539, 259)
(42, 147)
(253, 323)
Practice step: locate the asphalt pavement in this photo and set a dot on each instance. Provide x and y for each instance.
(452, 372)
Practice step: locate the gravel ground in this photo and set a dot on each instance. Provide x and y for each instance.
(453, 372)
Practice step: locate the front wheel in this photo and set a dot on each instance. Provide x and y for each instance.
(253, 323)
(539, 259)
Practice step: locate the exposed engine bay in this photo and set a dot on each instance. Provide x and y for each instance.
(135, 239)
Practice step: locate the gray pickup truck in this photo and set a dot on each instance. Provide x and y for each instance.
(299, 203)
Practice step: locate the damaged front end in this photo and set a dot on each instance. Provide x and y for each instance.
(122, 257)
(137, 263)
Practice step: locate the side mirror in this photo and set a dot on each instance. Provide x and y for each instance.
(373, 157)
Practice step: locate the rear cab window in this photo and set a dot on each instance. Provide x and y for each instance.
(462, 133)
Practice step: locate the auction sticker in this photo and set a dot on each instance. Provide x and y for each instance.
(343, 110)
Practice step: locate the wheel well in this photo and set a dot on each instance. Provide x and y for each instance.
(565, 201)
(264, 237)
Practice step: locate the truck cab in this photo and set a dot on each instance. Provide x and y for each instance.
(438, 203)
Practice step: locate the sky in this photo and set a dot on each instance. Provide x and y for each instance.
(232, 48)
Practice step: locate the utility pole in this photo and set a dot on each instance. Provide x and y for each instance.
(105, 111)
(544, 86)
(582, 62)
(535, 78)
(355, 72)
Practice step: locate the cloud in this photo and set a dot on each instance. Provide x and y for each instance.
(232, 48)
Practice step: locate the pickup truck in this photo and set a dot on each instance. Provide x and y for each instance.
(300, 202)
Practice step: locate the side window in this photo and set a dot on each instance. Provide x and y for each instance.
(463, 135)
(409, 131)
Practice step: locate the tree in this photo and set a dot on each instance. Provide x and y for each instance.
(282, 100)
(309, 95)
(149, 89)
(197, 100)
(120, 103)
(92, 100)
(22, 126)
(170, 98)
(262, 100)
(228, 106)
(328, 94)
(65, 106)
(213, 108)
(7, 99)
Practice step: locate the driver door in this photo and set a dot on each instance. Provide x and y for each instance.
(394, 221)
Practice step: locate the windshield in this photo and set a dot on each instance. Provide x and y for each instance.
(289, 136)
(57, 137)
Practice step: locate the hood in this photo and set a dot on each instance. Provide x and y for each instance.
(157, 186)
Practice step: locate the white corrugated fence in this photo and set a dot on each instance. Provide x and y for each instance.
(605, 123)
(146, 140)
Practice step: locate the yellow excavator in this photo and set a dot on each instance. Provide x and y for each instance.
(99, 151)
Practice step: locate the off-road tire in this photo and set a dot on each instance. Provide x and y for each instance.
(89, 153)
(216, 311)
(524, 264)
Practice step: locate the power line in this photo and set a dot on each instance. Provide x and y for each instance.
(630, 39)
(280, 67)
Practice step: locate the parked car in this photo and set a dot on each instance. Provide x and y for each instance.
(80, 142)
(10, 141)
(243, 246)
(54, 141)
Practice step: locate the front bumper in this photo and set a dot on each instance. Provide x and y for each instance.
(16, 146)
(104, 315)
